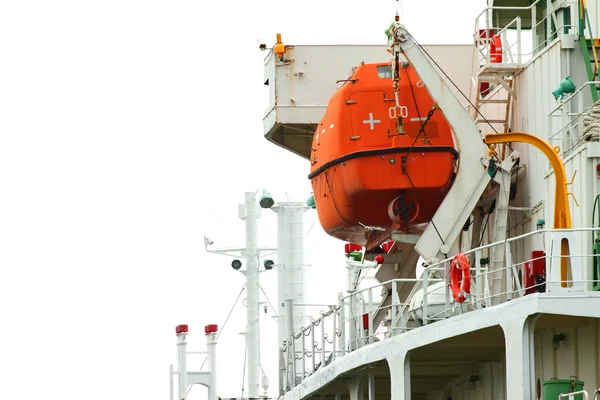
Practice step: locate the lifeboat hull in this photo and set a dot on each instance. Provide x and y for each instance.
(358, 191)
(370, 176)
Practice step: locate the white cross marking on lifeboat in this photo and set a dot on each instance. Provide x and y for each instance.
(371, 121)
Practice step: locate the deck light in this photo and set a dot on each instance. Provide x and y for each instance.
(540, 224)
(473, 379)
(311, 201)
(565, 86)
(266, 200)
(236, 264)
(556, 341)
(268, 264)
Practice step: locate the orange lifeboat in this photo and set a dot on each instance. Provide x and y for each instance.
(371, 176)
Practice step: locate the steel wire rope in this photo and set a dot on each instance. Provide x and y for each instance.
(225, 323)
(454, 84)
(422, 130)
(244, 370)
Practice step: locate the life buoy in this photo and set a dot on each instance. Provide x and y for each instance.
(496, 49)
(460, 277)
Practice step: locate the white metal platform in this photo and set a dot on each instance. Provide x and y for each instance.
(301, 85)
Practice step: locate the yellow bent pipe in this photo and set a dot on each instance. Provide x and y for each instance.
(562, 214)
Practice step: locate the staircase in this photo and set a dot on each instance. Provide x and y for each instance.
(496, 72)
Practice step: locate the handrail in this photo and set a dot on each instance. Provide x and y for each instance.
(573, 394)
(507, 8)
(513, 239)
(389, 282)
(535, 26)
(309, 349)
(572, 122)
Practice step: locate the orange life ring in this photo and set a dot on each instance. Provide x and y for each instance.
(460, 277)
(496, 49)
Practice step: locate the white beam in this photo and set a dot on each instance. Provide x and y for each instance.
(471, 179)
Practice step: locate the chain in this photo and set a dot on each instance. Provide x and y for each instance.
(395, 112)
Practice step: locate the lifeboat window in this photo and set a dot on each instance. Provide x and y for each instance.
(384, 71)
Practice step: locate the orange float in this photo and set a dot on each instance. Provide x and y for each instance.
(371, 176)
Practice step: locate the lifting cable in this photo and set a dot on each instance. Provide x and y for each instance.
(396, 75)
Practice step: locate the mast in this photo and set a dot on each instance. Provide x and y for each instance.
(252, 286)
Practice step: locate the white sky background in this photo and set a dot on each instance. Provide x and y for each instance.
(129, 129)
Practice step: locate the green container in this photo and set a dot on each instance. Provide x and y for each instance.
(554, 387)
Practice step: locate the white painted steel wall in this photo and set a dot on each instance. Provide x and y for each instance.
(489, 387)
(578, 355)
(534, 102)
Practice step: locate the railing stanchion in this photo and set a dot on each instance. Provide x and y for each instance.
(342, 323)
(312, 343)
(425, 284)
(478, 279)
(334, 340)
(394, 296)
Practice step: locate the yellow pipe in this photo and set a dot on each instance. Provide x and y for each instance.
(562, 214)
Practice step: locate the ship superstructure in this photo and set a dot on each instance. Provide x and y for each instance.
(495, 294)
(507, 305)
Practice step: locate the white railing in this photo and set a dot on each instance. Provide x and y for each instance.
(350, 324)
(572, 396)
(519, 46)
(567, 125)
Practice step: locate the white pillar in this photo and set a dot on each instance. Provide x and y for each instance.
(211, 344)
(290, 270)
(400, 376)
(516, 340)
(252, 338)
(371, 387)
(181, 332)
(356, 388)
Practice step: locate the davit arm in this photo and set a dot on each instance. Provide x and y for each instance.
(472, 177)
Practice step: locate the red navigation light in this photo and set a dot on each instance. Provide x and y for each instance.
(379, 259)
(212, 328)
(181, 329)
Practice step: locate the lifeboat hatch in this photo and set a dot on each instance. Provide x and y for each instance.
(371, 124)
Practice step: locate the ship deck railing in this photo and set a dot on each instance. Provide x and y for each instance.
(360, 319)
(521, 43)
(566, 120)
